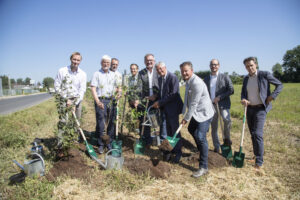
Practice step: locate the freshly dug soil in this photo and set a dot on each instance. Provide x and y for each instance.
(73, 166)
(215, 160)
(154, 167)
(105, 139)
(166, 146)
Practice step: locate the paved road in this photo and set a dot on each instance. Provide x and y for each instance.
(13, 104)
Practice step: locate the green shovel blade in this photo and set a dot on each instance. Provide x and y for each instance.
(226, 151)
(172, 141)
(117, 144)
(139, 147)
(90, 150)
(238, 159)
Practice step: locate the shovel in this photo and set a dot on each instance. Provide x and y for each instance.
(88, 147)
(139, 146)
(226, 150)
(238, 158)
(170, 142)
(117, 144)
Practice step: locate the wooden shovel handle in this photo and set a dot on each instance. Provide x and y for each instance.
(78, 125)
(244, 122)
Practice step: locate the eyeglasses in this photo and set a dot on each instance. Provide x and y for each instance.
(214, 64)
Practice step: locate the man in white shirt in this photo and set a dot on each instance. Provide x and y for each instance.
(104, 90)
(149, 79)
(220, 88)
(70, 83)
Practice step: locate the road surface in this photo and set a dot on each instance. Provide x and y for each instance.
(12, 104)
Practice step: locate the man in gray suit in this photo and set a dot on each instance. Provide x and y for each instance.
(220, 88)
(257, 96)
(200, 113)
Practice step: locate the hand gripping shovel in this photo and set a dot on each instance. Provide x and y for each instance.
(117, 144)
(139, 146)
(170, 142)
(226, 150)
(88, 147)
(238, 158)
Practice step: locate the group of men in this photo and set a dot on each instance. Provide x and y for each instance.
(204, 102)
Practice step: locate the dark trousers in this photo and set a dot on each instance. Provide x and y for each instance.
(199, 130)
(172, 124)
(105, 116)
(256, 117)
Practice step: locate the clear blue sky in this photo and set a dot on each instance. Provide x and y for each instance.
(38, 36)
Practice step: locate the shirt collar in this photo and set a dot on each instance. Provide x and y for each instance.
(214, 75)
(102, 71)
(254, 75)
(69, 68)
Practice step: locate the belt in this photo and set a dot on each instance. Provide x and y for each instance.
(256, 106)
(104, 98)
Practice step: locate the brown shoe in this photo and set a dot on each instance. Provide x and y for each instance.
(252, 160)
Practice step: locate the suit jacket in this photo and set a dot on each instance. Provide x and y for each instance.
(197, 100)
(170, 102)
(224, 89)
(144, 79)
(264, 79)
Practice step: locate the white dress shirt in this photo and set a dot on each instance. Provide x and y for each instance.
(150, 77)
(105, 83)
(213, 85)
(74, 85)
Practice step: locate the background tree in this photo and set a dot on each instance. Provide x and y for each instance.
(20, 81)
(236, 78)
(27, 81)
(178, 74)
(202, 74)
(48, 82)
(277, 71)
(291, 65)
(4, 81)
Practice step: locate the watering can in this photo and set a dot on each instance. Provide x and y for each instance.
(153, 122)
(33, 167)
(111, 162)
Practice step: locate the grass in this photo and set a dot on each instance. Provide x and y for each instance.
(279, 179)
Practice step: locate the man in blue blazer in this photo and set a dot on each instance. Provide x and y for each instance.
(257, 96)
(170, 103)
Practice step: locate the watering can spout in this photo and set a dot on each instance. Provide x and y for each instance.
(111, 162)
(18, 164)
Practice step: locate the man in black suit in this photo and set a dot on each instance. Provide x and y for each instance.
(220, 88)
(170, 103)
(149, 79)
(257, 96)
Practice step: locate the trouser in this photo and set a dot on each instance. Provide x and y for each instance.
(256, 117)
(198, 130)
(105, 120)
(225, 114)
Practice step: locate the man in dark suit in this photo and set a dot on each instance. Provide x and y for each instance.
(257, 96)
(149, 79)
(220, 88)
(170, 103)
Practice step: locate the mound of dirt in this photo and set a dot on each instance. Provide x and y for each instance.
(73, 166)
(154, 167)
(215, 160)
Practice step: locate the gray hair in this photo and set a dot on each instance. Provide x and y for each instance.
(106, 57)
(162, 64)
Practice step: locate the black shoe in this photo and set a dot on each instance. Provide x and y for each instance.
(167, 157)
(101, 150)
(177, 157)
(227, 142)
